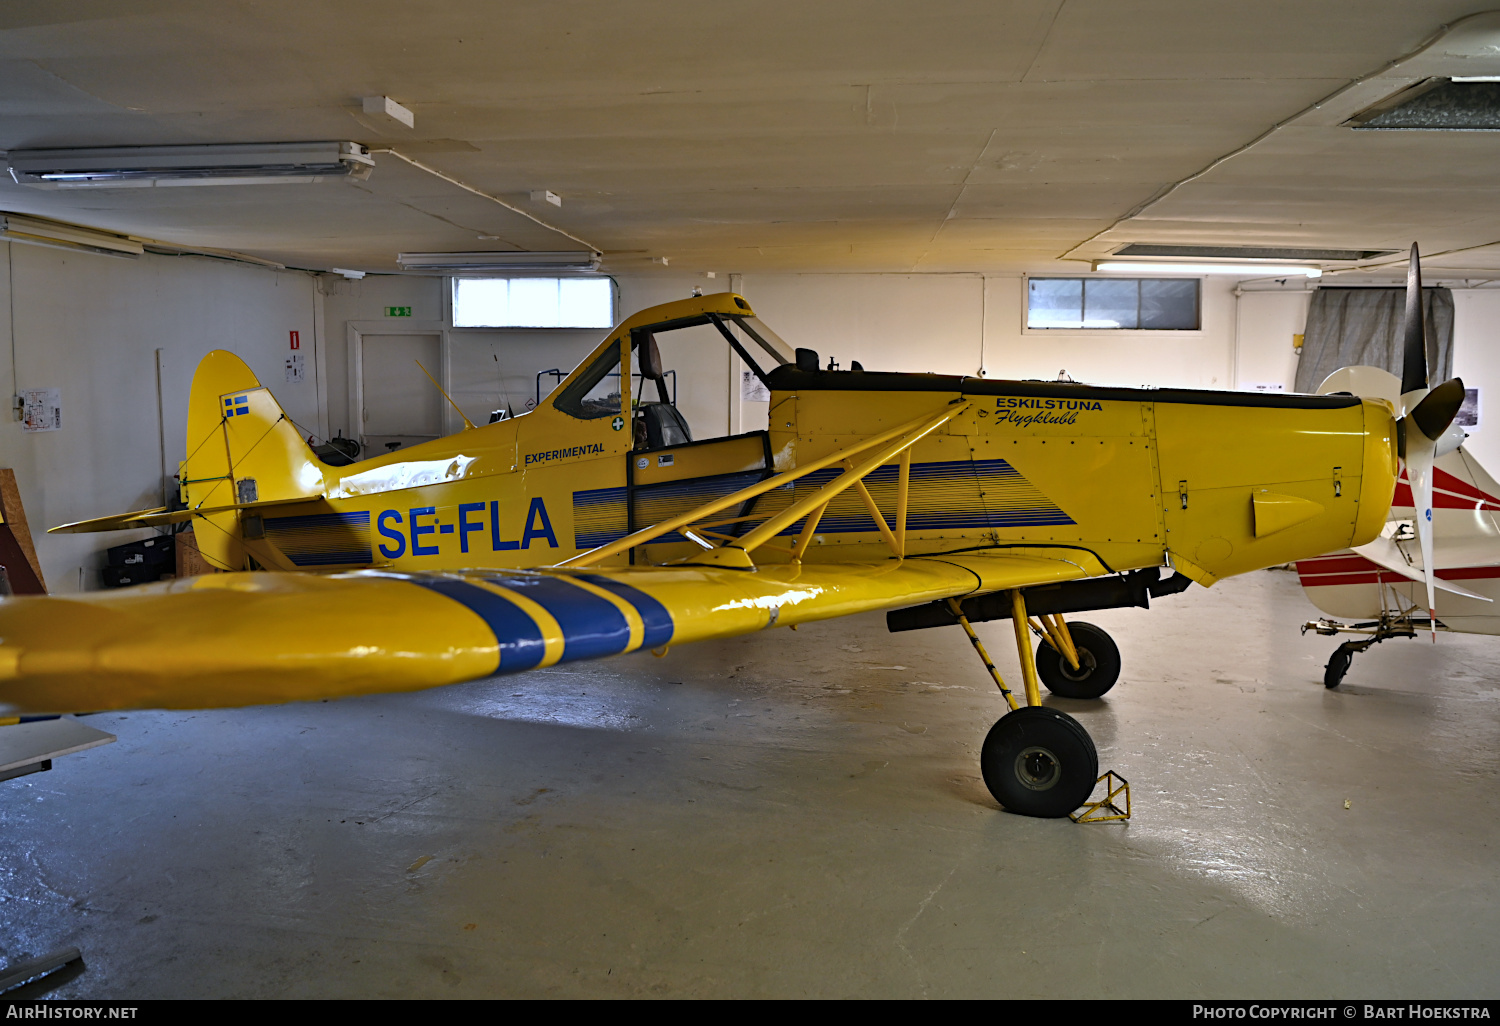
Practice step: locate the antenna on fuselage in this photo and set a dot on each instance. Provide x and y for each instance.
(468, 424)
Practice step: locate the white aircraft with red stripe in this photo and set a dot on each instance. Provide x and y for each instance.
(1380, 586)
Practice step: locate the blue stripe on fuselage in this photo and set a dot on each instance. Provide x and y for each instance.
(519, 637)
(654, 615)
(592, 626)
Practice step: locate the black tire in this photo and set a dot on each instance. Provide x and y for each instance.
(1039, 762)
(1338, 665)
(1098, 664)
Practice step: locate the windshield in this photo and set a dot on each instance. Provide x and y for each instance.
(766, 339)
(596, 392)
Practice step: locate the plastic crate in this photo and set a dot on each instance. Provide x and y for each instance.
(158, 551)
(125, 576)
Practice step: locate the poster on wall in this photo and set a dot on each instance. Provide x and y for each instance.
(295, 369)
(1468, 413)
(752, 389)
(42, 409)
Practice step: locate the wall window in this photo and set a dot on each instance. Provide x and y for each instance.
(1140, 304)
(533, 303)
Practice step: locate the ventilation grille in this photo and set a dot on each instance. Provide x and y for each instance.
(1436, 105)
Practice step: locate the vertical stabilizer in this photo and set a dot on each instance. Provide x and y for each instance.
(241, 448)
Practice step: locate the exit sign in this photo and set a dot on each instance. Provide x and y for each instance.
(398, 311)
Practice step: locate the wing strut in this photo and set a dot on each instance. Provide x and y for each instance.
(735, 552)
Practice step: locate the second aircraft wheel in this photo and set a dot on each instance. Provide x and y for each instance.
(1338, 665)
(1098, 664)
(1039, 762)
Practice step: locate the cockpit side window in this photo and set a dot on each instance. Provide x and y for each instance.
(596, 392)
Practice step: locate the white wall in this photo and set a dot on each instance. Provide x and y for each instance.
(90, 326)
(1169, 359)
(944, 323)
(958, 323)
(1267, 353)
(487, 366)
(1476, 359)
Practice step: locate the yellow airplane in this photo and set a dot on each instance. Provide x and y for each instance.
(595, 525)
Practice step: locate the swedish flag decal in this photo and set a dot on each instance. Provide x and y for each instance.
(236, 405)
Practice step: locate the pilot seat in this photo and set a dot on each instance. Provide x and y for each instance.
(657, 424)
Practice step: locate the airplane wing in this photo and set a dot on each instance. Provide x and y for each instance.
(236, 639)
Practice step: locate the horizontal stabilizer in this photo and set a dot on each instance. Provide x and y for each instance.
(1384, 552)
(163, 517)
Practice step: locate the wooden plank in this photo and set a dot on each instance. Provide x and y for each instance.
(190, 561)
(17, 553)
(43, 740)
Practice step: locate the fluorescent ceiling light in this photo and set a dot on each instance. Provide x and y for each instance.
(1244, 270)
(127, 167)
(1244, 254)
(498, 263)
(42, 232)
(1474, 78)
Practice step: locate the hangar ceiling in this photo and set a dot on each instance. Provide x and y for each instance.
(835, 136)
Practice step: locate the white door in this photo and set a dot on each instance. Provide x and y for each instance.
(401, 407)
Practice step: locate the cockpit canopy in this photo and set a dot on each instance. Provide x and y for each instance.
(594, 391)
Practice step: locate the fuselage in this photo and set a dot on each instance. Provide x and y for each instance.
(1213, 483)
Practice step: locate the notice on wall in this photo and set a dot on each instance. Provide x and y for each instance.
(1468, 413)
(296, 369)
(752, 389)
(42, 409)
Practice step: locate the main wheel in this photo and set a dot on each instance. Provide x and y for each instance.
(1098, 664)
(1039, 762)
(1338, 665)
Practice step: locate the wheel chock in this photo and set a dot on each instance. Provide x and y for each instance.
(1105, 810)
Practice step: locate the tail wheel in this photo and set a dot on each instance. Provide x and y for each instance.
(1098, 664)
(1039, 762)
(1338, 665)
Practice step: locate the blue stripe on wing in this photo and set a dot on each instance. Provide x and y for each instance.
(654, 615)
(520, 639)
(592, 626)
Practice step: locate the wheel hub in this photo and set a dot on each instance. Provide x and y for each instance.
(1086, 666)
(1037, 768)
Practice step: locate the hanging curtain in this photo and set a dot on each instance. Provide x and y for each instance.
(1348, 327)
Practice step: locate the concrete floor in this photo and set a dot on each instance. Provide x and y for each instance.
(793, 815)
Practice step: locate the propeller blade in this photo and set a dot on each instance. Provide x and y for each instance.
(1413, 329)
(1419, 460)
(1438, 408)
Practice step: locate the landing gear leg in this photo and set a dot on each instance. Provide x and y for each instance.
(1035, 761)
(1400, 625)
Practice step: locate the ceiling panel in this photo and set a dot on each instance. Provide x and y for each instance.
(967, 134)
